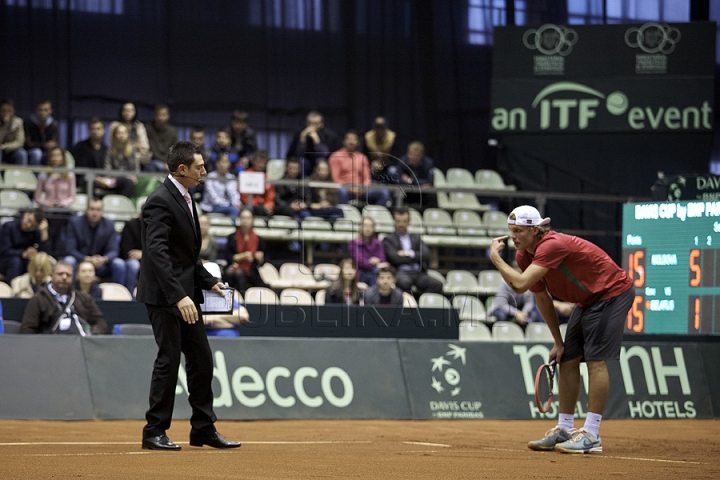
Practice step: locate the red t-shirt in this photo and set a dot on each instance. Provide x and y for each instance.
(579, 271)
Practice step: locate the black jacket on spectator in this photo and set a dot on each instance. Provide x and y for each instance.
(42, 311)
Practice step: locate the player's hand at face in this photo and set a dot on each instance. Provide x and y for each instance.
(498, 244)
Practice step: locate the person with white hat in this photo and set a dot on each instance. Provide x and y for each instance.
(574, 270)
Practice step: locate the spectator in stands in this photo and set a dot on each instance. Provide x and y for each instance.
(262, 203)
(123, 157)
(56, 192)
(38, 274)
(223, 148)
(131, 252)
(44, 308)
(520, 307)
(245, 253)
(197, 137)
(91, 152)
(85, 281)
(292, 200)
(220, 194)
(368, 252)
(410, 256)
(418, 168)
(12, 135)
(20, 241)
(161, 136)
(324, 200)
(138, 133)
(344, 289)
(312, 143)
(384, 292)
(381, 148)
(242, 137)
(349, 166)
(41, 133)
(92, 238)
(209, 246)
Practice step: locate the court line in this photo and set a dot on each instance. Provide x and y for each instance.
(428, 444)
(319, 442)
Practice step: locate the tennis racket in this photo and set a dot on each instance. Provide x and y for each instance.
(544, 380)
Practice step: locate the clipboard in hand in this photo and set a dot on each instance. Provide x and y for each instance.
(214, 303)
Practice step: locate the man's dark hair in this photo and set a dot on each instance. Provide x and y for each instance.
(182, 153)
(62, 263)
(401, 211)
(43, 102)
(291, 160)
(351, 132)
(95, 120)
(7, 101)
(197, 128)
(161, 106)
(239, 116)
(261, 154)
(35, 212)
(387, 269)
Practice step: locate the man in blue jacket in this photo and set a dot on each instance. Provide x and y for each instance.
(20, 240)
(92, 238)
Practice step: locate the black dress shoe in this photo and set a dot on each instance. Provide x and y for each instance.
(213, 439)
(161, 442)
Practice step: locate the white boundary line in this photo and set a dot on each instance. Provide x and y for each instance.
(321, 442)
(428, 444)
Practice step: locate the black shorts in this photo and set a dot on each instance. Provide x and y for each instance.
(595, 332)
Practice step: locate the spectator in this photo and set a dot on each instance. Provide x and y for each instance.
(245, 252)
(20, 240)
(313, 143)
(223, 148)
(41, 133)
(12, 135)
(262, 203)
(324, 200)
(520, 307)
(131, 252)
(344, 289)
(368, 252)
(384, 292)
(410, 256)
(161, 136)
(138, 133)
(209, 246)
(56, 191)
(122, 157)
(349, 166)
(381, 148)
(85, 281)
(197, 137)
(417, 170)
(292, 200)
(38, 274)
(242, 137)
(92, 238)
(220, 194)
(91, 152)
(44, 308)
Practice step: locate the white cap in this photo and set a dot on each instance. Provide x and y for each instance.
(528, 216)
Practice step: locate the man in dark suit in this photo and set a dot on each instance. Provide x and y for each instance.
(171, 282)
(410, 256)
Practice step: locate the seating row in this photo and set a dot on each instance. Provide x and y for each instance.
(537, 332)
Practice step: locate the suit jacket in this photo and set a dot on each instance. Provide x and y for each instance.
(392, 246)
(372, 296)
(80, 241)
(171, 268)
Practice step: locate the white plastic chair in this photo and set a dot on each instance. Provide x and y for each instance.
(115, 291)
(507, 332)
(538, 332)
(295, 296)
(474, 332)
(260, 296)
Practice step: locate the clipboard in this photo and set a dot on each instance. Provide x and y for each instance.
(214, 303)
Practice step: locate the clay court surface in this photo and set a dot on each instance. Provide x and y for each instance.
(376, 449)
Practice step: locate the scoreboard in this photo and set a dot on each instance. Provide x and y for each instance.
(671, 250)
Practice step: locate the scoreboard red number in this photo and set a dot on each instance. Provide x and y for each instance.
(695, 268)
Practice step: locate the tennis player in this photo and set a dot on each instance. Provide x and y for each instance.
(578, 271)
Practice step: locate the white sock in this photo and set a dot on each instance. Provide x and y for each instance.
(565, 421)
(592, 423)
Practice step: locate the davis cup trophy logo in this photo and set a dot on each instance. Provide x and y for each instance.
(446, 377)
(449, 399)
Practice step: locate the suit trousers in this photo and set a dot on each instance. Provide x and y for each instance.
(421, 280)
(175, 336)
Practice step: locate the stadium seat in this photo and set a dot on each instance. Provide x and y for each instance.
(213, 268)
(139, 202)
(409, 301)
(563, 329)
(468, 223)
(417, 224)
(436, 275)
(460, 281)
(80, 203)
(20, 179)
(118, 207)
(459, 177)
(220, 219)
(466, 201)
(538, 332)
(269, 274)
(438, 222)
(275, 168)
(474, 332)
(11, 201)
(10, 327)
(115, 291)
(491, 180)
(282, 222)
(132, 329)
(383, 218)
(438, 178)
(442, 201)
(507, 332)
(296, 275)
(320, 297)
(5, 290)
(295, 296)
(489, 282)
(496, 223)
(488, 302)
(326, 271)
(260, 296)
(469, 308)
(433, 300)
(350, 212)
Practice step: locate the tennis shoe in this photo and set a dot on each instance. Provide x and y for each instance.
(582, 441)
(552, 437)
